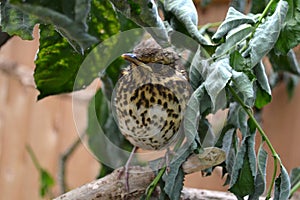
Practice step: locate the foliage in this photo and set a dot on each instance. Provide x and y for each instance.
(227, 65)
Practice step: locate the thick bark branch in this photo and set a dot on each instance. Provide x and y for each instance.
(112, 186)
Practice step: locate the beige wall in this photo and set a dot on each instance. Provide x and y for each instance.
(48, 127)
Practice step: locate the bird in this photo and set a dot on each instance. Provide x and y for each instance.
(150, 98)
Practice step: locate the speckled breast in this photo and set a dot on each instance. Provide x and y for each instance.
(149, 104)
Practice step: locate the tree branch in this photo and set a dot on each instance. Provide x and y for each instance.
(113, 186)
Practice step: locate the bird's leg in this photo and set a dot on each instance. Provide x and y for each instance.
(126, 168)
(167, 160)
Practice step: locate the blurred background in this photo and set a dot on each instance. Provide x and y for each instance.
(48, 127)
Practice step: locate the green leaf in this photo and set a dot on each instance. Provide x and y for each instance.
(295, 180)
(284, 63)
(266, 34)
(239, 5)
(72, 24)
(289, 35)
(15, 22)
(183, 13)
(57, 64)
(197, 68)
(234, 38)
(243, 85)
(237, 61)
(192, 115)
(237, 117)
(258, 6)
(243, 173)
(218, 75)
(260, 179)
(295, 176)
(145, 14)
(282, 185)
(263, 91)
(233, 19)
(46, 182)
(174, 179)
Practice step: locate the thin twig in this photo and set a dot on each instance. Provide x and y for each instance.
(62, 163)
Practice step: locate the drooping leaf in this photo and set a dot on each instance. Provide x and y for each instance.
(145, 14)
(237, 61)
(72, 25)
(192, 115)
(243, 173)
(183, 17)
(197, 69)
(234, 38)
(266, 34)
(289, 35)
(260, 179)
(233, 19)
(16, 22)
(263, 91)
(174, 179)
(284, 63)
(258, 6)
(243, 85)
(295, 176)
(239, 5)
(237, 117)
(282, 185)
(218, 75)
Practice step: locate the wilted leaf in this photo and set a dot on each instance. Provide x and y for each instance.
(237, 117)
(239, 5)
(243, 173)
(290, 33)
(16, 22)
(243, 85)
(284, 63)
(233, 39)
(145, 14)
(184, 12)
(258, 6)
(218, 75)
(72, 26)
(174, 179)
(263, 90)
(295, 176)
(233, 19)
(266, 34)
(260, 179)
(282, 185)
(192, 115)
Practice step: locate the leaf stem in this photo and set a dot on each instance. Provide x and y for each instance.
(154, 183)
(263, 135)
(294, 189)
(262, 16)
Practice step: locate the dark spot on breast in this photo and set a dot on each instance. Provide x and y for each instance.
(165, 105)
(175, 99)
(179, 108)
(137, 121)
(159, 102)
(175, 116)
(170, 97)
(130, 112)
(152, 99)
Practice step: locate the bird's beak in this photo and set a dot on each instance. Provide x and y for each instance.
(131, 57)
